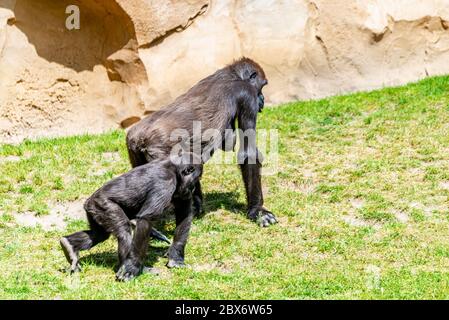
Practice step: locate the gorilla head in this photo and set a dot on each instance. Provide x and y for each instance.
(250, 71)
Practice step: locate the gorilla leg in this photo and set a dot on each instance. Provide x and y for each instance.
(124, 239)
(184, 216)
(253, 188)
(198, 200)
(115, 221)
(82, 240)
(133, 264)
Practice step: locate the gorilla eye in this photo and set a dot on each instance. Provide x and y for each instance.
(188, 171)
(253, 75)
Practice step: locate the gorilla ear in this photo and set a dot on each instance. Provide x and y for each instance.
(188, 170)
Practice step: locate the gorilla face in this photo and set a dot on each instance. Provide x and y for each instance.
(190, 175)
(258, 82)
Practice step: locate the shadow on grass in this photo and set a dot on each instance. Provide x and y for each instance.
(109, 259)
(222, 200)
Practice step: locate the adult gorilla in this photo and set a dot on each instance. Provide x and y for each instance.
(230, 94)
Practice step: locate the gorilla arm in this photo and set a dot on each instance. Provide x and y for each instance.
(158, 199)
(250, 160)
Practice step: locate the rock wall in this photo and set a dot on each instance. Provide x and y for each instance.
(131, 57)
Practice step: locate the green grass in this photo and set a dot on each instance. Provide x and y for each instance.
(361, 197)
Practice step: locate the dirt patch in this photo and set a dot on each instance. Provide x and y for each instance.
(354, 221)
(57, 219)
(357, 203)
(100, 172)
(305, 188)
(101, 168)
(111, 156)
(428, 209)
(401, 216)
(47, 222)
(14, 158)
(71, 210)
(444, 185)
(206, 267)
(10, 159)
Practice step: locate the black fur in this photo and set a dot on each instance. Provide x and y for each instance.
(142, 194)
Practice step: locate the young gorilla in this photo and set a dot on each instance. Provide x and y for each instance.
(142, 194)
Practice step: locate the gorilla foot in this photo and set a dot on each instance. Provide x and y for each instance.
(70, 254)
(266, 219)
(149, 270)
(262, 217)
(127, 272)
(175, 264)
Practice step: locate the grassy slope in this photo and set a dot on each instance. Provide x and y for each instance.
(352, 168)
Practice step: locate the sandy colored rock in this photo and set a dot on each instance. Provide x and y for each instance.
(309, 49)
(131, 57)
